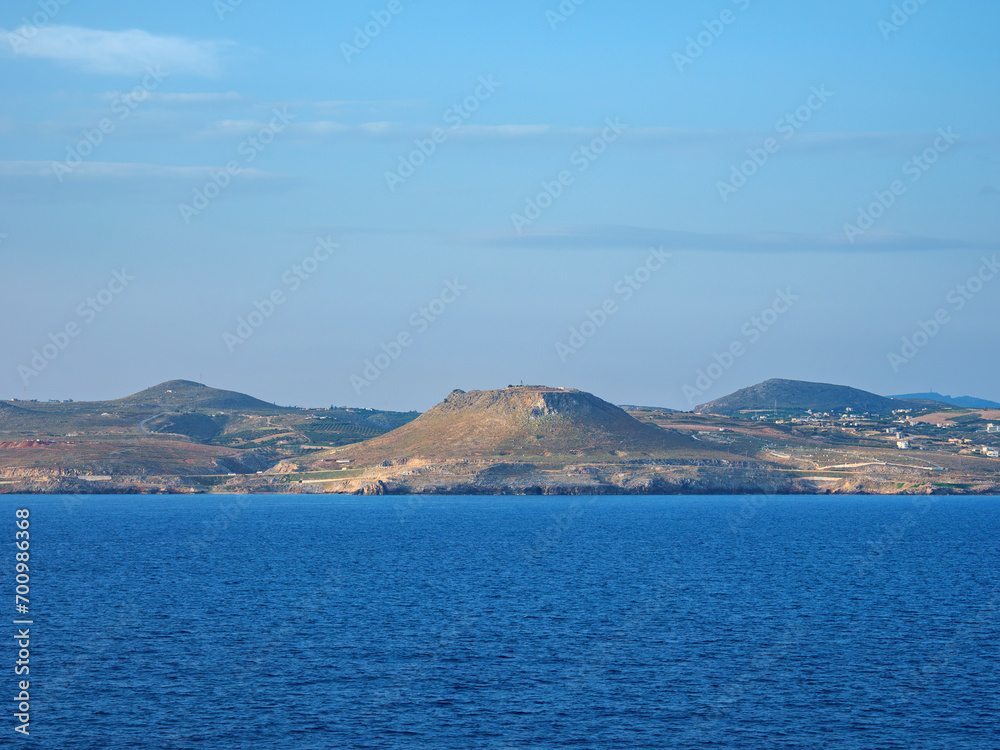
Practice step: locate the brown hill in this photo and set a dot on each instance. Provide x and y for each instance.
(522, 421)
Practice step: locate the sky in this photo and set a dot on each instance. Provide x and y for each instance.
(373, 203)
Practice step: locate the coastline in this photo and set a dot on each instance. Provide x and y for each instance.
(528, 483)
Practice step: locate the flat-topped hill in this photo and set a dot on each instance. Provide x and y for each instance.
(522, 420)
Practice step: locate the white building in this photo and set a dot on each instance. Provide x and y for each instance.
(903, 444)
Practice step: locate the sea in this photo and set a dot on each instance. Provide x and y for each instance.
(313, 621)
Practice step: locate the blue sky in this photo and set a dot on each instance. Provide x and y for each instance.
(819, 184)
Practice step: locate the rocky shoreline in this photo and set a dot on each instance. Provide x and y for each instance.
(704, 481)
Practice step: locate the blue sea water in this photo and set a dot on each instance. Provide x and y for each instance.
(319, 622)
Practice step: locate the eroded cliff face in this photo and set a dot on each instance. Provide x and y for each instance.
(25, 473)
(624, 475)
(568, 403)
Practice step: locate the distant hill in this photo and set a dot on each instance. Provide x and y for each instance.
(634, 407)
(522, 420)
(178, 395)
(802, 395)
(964, 401)
(176, 428)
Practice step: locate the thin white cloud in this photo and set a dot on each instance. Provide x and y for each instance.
(377, 128)
(623, 237)
(323, 128)
(236, 128)
(688, 142)
(618, 237)
(505, 131)
(229, 96)
(116, 170)
(183, 99)
(128, 52)
(357, 103)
